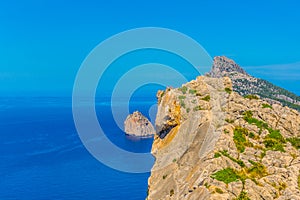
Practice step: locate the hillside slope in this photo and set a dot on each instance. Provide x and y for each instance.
(212, 143)
(245, 84)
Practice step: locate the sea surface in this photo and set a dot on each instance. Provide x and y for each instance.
(42, 157)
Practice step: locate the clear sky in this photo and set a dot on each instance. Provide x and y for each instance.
(43, 42)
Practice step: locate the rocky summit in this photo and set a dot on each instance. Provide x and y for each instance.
(213, 143)
(224, 66)
(138, 125)
(245, 84)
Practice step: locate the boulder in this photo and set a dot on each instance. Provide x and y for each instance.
(138, 125)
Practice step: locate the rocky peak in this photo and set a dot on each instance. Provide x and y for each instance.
(223, 65)
(137, 124)
(245, 84)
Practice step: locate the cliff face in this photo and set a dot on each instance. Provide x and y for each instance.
(245, 84)
(212, 143)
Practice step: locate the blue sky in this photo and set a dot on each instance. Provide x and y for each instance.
(43, 43)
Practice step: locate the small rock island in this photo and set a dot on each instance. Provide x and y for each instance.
(137, 124)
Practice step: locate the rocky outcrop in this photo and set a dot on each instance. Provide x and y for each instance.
(138, 125)
(245, 84)
(222, 66)
(212, 143)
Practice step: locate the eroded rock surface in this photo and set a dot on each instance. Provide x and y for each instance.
(212, 143)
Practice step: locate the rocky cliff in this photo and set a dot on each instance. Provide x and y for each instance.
(136, 124)
(245, 84)
(213, 143)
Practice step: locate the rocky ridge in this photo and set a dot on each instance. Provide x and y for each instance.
(138, 125)
(213, 143)
(245, 84)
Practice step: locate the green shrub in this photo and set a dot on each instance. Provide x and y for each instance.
(206, 185)
(197, 108)
(248, 114)
(217, 155)
(265, 105)
(248, 117)
(165, 176)
(251, 96)
(263, 154)
(192, 91)
(206, 98)
(281, 186)
(260, 124)
(218, 190)
(239, 162)
(243, 196)
(182, 104)
(274, 140)
(239, 138)
(228, 90)
(229, 121)
(181, 100)
(274, 145)
(188, 110)
(227, 175)
(251, 135)
(183, 89)
(257, 170)
(275, 134)
(295, 142)
(181, 97)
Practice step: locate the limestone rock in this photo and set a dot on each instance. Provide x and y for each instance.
(204, 129)
(138, 125)
(223, 65)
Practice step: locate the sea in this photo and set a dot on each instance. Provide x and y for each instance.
(42, 157)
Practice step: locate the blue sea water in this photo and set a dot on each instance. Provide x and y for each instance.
(42, 157)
